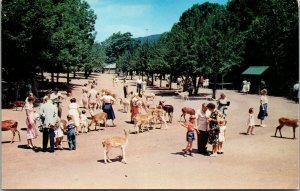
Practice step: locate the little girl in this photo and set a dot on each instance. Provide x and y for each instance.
(59, 134)
(83, 122)
(251, 122)
(222, 125)
(190, 137)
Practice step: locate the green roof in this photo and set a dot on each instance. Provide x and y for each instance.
(255, 70)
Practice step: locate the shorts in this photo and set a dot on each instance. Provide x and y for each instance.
(190, 136)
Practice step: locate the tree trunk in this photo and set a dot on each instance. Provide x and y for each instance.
(214, 87)
(34, 87)
(160, 80)
(68, 75)
(194, 79)
(52, 76)
(42, 74)
(57, 77)
(170, 82)
(152, 80)
(74, 74)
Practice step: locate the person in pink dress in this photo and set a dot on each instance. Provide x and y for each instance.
(32, 132)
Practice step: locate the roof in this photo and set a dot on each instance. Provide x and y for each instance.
(255, 70)
(110, 66)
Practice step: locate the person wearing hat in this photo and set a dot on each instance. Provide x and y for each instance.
(190, 136)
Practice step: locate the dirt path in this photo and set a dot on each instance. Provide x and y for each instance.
(154, 157)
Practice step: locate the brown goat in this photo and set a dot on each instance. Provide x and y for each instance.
(187, 110)
(98, 117)
(283, 121)
(11, 125)
(17, 104)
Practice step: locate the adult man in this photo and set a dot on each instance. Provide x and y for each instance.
(202, 116)
(92, 95)
(296, 92)
(49, 112)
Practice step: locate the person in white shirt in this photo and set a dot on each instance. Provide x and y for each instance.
(139, 85)
(107, 101)
(263, 112)
(57, 98)
(202, 116)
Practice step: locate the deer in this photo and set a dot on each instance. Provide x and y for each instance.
(187, 110)
(148, 95)
(141, 120)
(17, 104)
(102, 116)
(168, 108)
(283, 121)
(11, 125)
(125, 103)
(115, 142)
(183, 95)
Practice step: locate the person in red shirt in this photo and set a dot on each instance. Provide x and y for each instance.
(190, 136)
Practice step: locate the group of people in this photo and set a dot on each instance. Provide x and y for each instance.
(246, 86)
(210, 127)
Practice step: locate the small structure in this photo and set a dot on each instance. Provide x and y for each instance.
(110, 68)
(255, 74)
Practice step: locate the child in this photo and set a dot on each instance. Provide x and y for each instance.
(251, 122)
(71, 133)
(59, 134)
(83, 122)
(222, 125)
(190, 137)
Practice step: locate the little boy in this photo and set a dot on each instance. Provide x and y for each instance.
(71, 133)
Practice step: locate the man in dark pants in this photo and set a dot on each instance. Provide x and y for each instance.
(49, 112)
(202, 125)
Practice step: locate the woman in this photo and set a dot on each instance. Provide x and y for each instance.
(84, 97)
(222, 103)
(214, 129)
(74, 111)
(107, 101)
(32, 132)
(263, 112)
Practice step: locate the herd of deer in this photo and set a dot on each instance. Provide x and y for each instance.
(152, 114)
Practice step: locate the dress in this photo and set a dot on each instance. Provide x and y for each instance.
(251, 121)
(222, 133)
(245, 86)
(73, 110)
(58, 132)
(32, 132)
(213, 136)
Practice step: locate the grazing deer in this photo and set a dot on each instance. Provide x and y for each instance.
(283, 121)
(11, 125)
(115, 142)
(148, 95)
(183, 95)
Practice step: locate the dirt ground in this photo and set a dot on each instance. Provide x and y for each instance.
(154, 158)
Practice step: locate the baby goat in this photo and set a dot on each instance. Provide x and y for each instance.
(288, 122)
(115, 142)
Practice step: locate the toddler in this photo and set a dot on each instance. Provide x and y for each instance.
(59, 134)
(222, 125)
(251, 122)
(83, 122)
(190, 137)
(71, 133)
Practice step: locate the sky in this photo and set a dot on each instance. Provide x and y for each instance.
(139, 17)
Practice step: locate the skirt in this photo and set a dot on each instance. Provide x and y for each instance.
(213, 136)
(58, 132)
(263, 112)
(107, 108)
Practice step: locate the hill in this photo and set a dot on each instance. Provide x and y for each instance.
(151, 38)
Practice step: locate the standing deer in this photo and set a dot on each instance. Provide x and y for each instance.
(11, 125)
(169, 109)
(288, 122)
